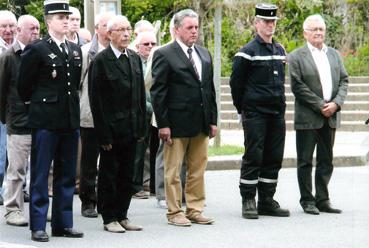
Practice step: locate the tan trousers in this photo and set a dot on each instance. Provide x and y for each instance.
(19, 149)
(196, 149)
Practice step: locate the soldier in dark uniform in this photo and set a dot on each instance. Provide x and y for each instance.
(49, 75)
(257, 84)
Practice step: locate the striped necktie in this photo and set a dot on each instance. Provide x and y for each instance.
(189, 51)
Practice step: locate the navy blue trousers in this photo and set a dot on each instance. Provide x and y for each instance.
(45, 145)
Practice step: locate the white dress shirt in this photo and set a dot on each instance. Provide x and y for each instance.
(322, 64)
(195, 56)
(117, 52)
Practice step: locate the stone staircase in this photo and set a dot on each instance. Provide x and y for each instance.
(354, 112)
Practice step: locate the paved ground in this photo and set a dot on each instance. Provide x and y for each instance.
(349, 190)
(350, 149)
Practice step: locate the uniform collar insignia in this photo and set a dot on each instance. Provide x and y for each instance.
(52, 56)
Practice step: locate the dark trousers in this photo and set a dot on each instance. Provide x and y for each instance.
(306, 140)
(154, 146)
(45, 144)
(89, 155)
(264, 147)
(114, 188)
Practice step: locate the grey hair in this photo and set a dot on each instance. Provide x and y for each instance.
(114, 20)
(4, 14)
(311, 18)
(178, 17)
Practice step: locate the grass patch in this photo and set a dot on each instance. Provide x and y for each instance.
(225, 150)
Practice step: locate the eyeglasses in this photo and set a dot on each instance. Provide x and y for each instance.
(149, 43)
(4, 26)
(122, 30)
(315, 29)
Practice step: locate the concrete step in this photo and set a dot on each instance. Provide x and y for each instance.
(349, 105)
(349, 126)
(349, 115)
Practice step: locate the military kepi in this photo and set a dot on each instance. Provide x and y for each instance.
(266, 11)
(56, 7)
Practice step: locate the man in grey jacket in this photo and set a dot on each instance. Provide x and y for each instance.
(319, 82)
(90, 146)
(14, 113)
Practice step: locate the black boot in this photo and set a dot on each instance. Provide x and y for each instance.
(269, 206)
(249, 209)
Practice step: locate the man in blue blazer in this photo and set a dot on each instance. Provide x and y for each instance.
(319, 82)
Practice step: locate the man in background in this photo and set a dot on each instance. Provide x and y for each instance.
(14, 113)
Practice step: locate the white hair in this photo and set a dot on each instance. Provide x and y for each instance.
(313, 18)
(143, 24)
(25, 18)
(6, 14)
(115, 20)
(74, 11)
(105, 15)
(144, 34)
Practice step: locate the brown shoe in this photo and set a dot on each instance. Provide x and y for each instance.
(179, 220)
(201, 219)
(126, 224)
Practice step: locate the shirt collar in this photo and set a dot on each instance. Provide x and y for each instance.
(184, 47)
(58, 42)
(313, 48)
(117, 53)
(22, 46)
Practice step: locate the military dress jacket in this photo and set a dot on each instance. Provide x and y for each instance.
(49, 81)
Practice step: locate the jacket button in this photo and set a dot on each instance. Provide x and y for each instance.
(68, 83)
(67, 65)
(44, 100)
(68, 92)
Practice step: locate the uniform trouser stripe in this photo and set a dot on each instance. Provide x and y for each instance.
(244, 181)
(267, 180)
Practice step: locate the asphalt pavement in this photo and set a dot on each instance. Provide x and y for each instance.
(349, 190)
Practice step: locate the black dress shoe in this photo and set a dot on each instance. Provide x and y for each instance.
(271, 207)
(25, 196)
(327, 208)
(39, 236)
(66, 232)
(89, 213)
(310, 209)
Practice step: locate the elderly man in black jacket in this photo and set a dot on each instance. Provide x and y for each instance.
(14, 113)
(117, 98)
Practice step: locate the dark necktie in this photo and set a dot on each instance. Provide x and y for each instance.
(64, 50)
(189, 51)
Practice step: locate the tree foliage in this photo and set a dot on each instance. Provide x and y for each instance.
(347, 23)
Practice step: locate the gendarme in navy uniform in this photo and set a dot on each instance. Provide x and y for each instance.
(257, 86)
(49, 76)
